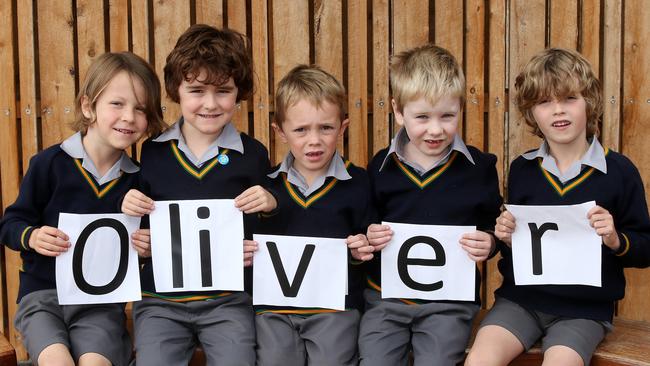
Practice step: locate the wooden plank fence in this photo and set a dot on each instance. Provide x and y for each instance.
(46, 47)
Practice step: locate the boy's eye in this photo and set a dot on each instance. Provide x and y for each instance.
(140, 108)
(299, 129)
(116, 103)
(448, 115)
(422, 116)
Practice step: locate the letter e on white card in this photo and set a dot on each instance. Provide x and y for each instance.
(555, 245)
(427, 262)
(101, 266)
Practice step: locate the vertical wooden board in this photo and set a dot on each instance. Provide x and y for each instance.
(328, 40)
(611, 78)
(527, 31)
(140, 29)
(236, 18)
(118, 15)
(328, 36)
(475, 74)
(590, 33)
(9, 162)
(210, 12)
(358, 81)
(410, 24)
(449, 29)
(380, 82)
(496, 108)
(170, 20)
(261, 99)
(290, 46)
(564, 23)
(57, 75)
(27, 73)
(90, 34)
(140, 43)
(636, 109)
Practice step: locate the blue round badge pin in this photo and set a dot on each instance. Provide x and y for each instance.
(223, 159)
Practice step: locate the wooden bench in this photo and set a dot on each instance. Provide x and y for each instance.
(628, 344)
(7, 353)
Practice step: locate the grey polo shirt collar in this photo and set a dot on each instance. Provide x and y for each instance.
(336, 169)
(229, 138)
(75, 148)
(398, 146)
(594, 157)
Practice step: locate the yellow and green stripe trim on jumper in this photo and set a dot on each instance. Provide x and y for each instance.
(313, 198)
(186, 298)
(436, 173)
(95, 187)
(376, 287)
(200, 173)
(627, 246)
(559, 188)
(22, 238)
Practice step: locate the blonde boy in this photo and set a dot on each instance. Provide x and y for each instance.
(560, 99)
(426, 176)
(319, 195)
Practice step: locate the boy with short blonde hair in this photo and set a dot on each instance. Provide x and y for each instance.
(427, 176)
(560, 98)
(319, 195)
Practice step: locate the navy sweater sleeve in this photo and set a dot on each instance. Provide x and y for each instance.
(632, 221)
(24, 216)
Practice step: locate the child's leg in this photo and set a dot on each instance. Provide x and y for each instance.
(55, 354)
(507, 327)
(163, 333)
(331, 338)
(226, 329)
(384, 334)
(39, 320)
(93, 359)
(278, 342)
(98, 334)
(571, 341)
(488, 339)
(440, 333)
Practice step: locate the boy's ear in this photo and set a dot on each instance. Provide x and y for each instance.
(344, 124)
(399, 117)
(279, 131)
(86, 107)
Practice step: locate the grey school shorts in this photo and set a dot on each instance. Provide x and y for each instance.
(316, 340)
(437, 332)
(167, 332)
(581, 335)
(97, 328)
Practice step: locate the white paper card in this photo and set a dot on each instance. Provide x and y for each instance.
(197, 245)
(300, 271)
(427, 262)
(101, 266)
(555, 245)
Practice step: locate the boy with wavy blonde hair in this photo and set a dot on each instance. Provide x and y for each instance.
(560, 98)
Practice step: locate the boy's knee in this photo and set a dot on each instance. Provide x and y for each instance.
(55, 355)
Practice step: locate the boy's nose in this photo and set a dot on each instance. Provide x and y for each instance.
(210, 101)
(128, 114)
(434, 128)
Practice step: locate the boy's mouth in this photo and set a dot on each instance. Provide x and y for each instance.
(124, 131)
(209, 115)
(314, 155)
(434, 143)
(560, 123)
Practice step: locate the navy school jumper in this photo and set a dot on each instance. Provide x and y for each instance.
(55, 182)
(620, 191)
(455, 193)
